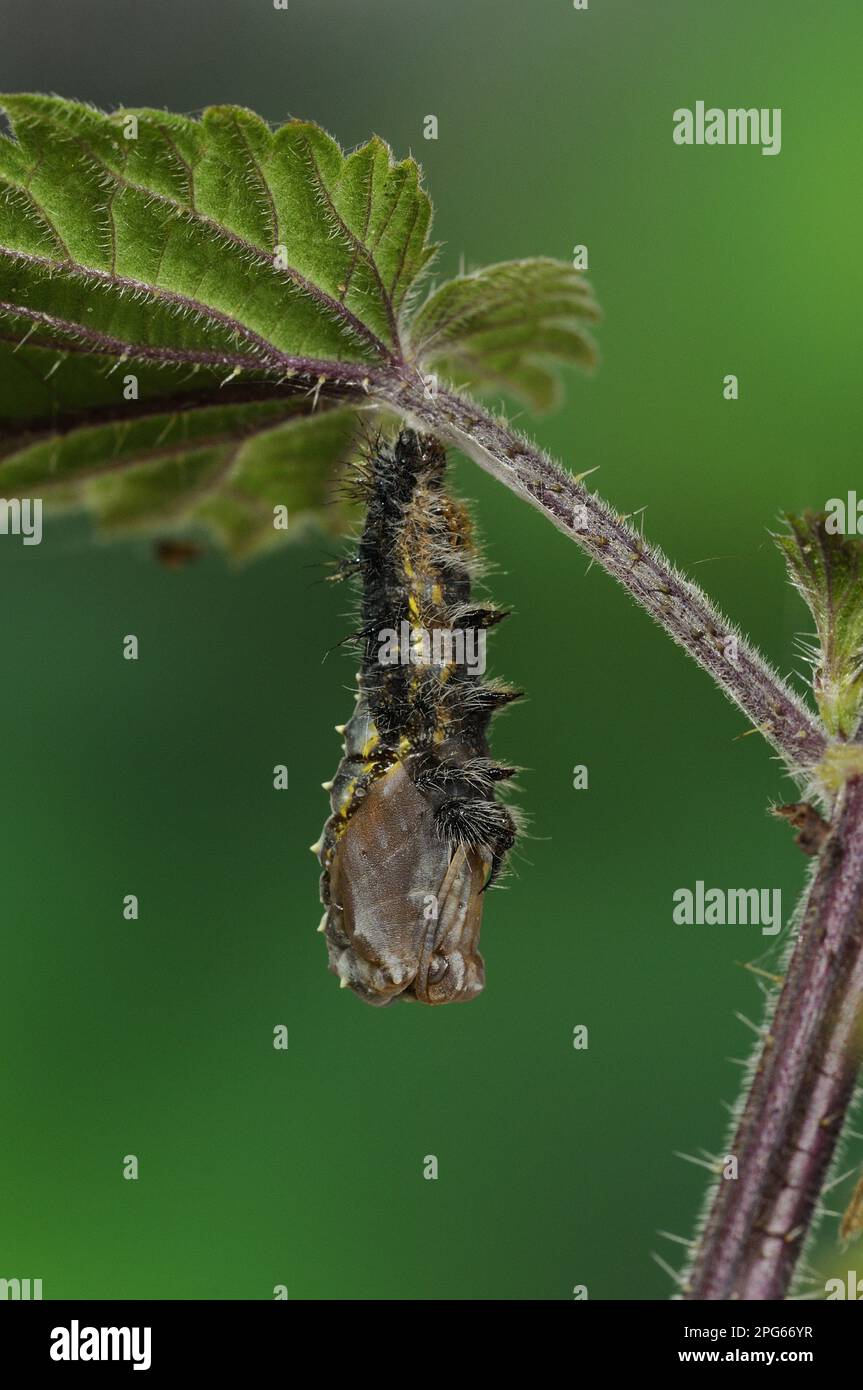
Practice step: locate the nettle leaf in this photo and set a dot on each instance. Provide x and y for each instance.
(196, 313)
(507, 327)
(827, 568)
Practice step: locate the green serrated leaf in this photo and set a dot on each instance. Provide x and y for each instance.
(827, 568)
(193, 312)
(506, 327)
(230, 279)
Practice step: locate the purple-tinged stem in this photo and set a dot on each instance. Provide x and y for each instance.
(801, 1088)
(675, 602)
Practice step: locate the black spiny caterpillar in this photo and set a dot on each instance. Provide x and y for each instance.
(416, 833)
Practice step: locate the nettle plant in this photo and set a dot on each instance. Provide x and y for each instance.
(198, 321)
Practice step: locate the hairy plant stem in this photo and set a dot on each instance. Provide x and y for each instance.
(802, 1084)
(675, 602)
(803, 1080)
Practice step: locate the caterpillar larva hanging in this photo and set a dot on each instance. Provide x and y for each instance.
(416, 833)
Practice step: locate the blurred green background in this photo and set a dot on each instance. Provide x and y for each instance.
(154, 1038)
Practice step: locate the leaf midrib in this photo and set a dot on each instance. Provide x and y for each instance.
(354, 372)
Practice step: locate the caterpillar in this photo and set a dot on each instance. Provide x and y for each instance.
(416, 832)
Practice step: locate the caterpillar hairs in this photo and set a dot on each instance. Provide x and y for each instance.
(416, 832)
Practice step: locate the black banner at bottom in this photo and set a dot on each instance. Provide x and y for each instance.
(218, 1338)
